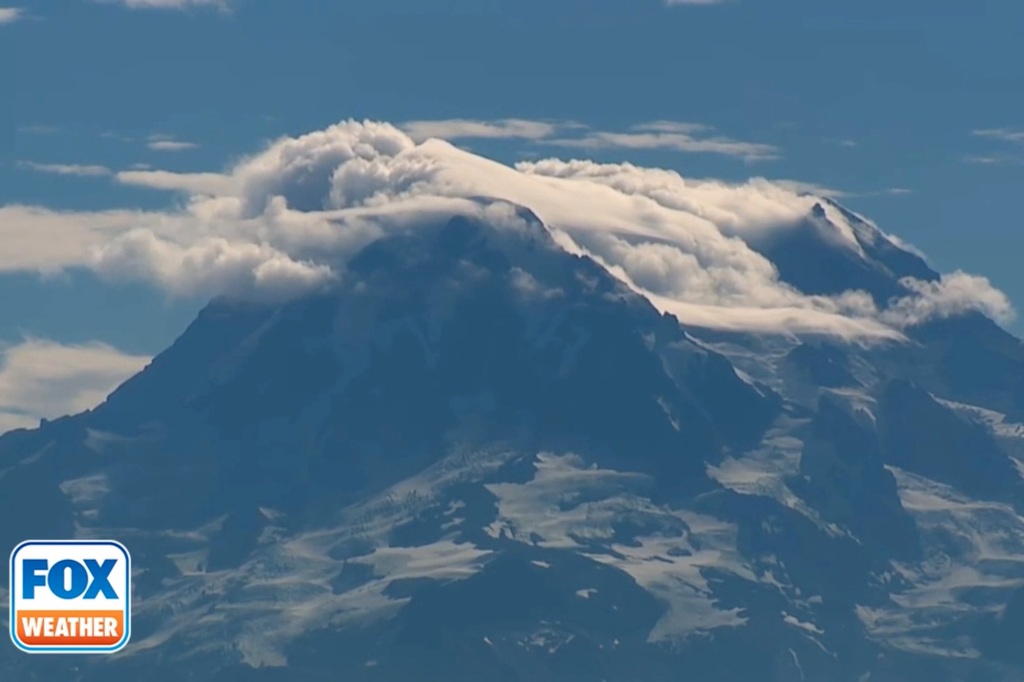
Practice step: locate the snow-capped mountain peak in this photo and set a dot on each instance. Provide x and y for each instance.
(536, 426)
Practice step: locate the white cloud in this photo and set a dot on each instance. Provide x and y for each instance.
(680, 136)
(727, 208)
(687, 142)
(201, 250)
(1009, 137)
(672, 127)
(194, 183)
(289, 217)
(170, 145)
(46, 241)
(172, 4)
(209, 264)
(1001, 134)
(814, 189)
(8, 15)
(460, 128)
(786, 320)
(66, 169)
(991, 159)
(45, 379)
(955, 293)
(38, 129)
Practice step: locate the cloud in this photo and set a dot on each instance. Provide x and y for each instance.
(460, 128)
(1010, 137)
(209, 264)
(46, 241)
(8, 15)
(816, 190)
(1001, 134)
(795, 321)
(677, 136)
(990, 159)
(167, 143)
(727, 208)
(45, 379)
(680, 140)
(288, 218)
(171, 4)
(674, 3)
(121, 137)
(193, 183)
(955, 293)
(800, 187)
(66, 169)
(672, 127)
(174, 250)
(38, 129)
(171, 145)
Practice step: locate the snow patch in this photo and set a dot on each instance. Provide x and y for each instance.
(974, 558)
(570, 505)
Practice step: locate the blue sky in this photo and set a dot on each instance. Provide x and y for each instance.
(912, 111)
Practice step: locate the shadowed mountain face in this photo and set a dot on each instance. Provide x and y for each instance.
(477, 456)
(435, 343)
(817, 258)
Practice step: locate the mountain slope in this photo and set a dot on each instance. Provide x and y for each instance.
(479, 456)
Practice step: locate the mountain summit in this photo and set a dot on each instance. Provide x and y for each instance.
(500, 443)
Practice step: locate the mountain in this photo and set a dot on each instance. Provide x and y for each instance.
(817, 257)
(478, 455)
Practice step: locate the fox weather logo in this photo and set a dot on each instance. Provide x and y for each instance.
(70, 596)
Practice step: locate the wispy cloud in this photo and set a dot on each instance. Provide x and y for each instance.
(38, 129)
(994, 159)
(45, 379)
(461, 128)
(1001, 134)
(171, 145)
(121, 137)
(672, 127)
(814, 189)
(171, 4)
(167, 143)
(66, 169)
(679, 136)
(983, 160)
(194, 183)
(954, 293)
(687, 142)
(287, 219)
(1010, 139)
(46, 241)
(8, 15)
